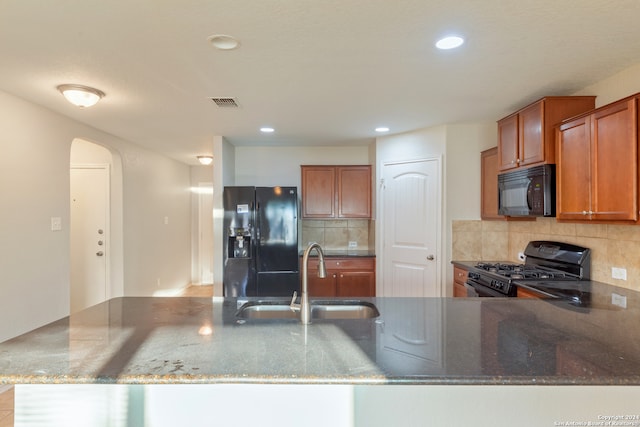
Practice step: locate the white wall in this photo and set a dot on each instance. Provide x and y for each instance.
(271, 166)
(157, 232)
(199, 174)
(34, 186)
(619, 85)
(462, 180)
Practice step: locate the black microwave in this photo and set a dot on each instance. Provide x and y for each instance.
(528, 192)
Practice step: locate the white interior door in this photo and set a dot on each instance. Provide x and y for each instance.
(205, 248)
(410, 217)
(89, 187)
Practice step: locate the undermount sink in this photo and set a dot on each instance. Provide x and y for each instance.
(342, 309)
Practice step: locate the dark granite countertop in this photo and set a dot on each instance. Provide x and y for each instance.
(146, 340)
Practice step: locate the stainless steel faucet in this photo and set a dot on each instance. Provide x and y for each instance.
(305, 308)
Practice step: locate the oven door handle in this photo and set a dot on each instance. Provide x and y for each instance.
(477, 290)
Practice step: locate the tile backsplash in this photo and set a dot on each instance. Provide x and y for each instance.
(336, 234)
(611, 245)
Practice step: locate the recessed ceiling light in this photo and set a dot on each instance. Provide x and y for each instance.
(382, 129)
(267, 130)
(449, 42)
(223, 42)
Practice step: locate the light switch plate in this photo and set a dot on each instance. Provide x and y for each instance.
(56, 223)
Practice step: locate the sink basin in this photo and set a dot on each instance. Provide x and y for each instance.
(341, 309)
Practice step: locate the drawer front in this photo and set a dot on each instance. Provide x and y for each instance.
(352, 263)
(460, 275)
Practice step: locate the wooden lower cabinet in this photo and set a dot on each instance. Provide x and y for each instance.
(526, 293)
(346, 277)
(459, 278)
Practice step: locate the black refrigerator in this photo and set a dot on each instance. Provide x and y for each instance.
(260, 241)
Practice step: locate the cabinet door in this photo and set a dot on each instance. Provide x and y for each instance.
(354, 192)
(356, 284)
(459, 278)
(615, 164)
(489, 186)
(508, 142)
(574, 169)
(318, 191)
(531, 142)
(318, 287)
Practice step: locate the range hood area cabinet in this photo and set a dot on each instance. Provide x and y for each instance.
(597, 164)
(527, 137)
(336, 192)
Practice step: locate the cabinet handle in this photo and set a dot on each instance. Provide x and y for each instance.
(584, 212)
(517, 160)
(430, 257)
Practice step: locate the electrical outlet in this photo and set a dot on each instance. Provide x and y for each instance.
(619, 300)
(353, 244)
(619, 273)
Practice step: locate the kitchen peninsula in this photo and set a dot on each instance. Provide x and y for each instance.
(492, 342)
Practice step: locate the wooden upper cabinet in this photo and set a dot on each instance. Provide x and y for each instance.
(531, 140)
(508, 142)
(318, 191)
(597, 172)
(527, 137)
(336, 192)
(573, 171)
(354, 192)
(489, 185)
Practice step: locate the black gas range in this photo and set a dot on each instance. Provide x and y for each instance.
(546, 261)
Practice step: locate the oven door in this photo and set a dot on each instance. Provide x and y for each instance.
(475, 289)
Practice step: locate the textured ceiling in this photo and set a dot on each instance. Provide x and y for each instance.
(320, 72)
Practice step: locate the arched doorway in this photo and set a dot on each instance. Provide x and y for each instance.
(95, 232)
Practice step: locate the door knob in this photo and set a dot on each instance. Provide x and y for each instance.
(430, 257)
(99, 253)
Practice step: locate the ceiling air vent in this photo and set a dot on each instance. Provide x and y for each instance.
(225, 102)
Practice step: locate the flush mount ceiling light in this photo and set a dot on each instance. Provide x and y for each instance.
(81, 96)
(382, 129)
(267, 130)
(205, 160)
(449, 42)
(223, 42)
